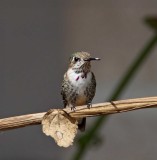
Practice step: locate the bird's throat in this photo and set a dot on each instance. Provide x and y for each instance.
(83, 75)
(77, 77)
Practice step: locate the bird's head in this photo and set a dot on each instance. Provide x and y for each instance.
(80, 61)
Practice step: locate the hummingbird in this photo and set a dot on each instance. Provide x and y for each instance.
(79, 84)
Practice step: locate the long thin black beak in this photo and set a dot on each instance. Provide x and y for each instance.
(91, 59)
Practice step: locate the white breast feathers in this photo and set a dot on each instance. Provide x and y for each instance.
(79, 80)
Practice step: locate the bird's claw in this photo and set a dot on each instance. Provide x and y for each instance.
(73, 108)
(89, 105)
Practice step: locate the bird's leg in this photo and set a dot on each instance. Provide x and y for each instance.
(73, 108)
(89, 105)
(73, 102)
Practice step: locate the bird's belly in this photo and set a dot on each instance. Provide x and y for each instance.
(81, 100)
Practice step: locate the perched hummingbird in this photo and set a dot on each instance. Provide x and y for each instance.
(79, 84)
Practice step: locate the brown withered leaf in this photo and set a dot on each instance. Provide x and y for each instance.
(60, 126)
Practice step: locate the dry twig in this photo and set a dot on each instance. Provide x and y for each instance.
(82, 111)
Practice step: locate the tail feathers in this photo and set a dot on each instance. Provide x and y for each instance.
(82, 125)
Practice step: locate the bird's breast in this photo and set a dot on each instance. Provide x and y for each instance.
(80, 83)
(79, 80)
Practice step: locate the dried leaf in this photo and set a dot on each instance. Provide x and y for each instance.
(60, 126)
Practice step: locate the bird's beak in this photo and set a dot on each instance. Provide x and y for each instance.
(91, 59)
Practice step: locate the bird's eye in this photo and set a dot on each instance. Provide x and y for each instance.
(76, 59)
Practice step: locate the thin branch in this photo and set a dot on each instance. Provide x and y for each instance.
(82, 111)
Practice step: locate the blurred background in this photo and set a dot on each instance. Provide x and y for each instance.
(36, 39)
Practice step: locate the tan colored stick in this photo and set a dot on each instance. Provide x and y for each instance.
(82, 111)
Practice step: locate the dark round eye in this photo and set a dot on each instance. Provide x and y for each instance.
(76, 59)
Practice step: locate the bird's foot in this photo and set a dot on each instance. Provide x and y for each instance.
(89, 105)
(73, 108)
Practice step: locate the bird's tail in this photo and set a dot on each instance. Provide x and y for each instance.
(82, 124)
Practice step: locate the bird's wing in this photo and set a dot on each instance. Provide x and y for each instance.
(91, 89)
(64, 90)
